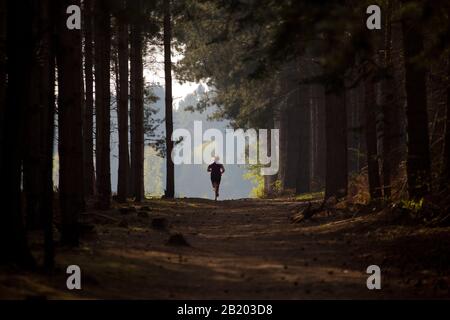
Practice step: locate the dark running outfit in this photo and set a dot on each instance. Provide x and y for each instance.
(216, 172)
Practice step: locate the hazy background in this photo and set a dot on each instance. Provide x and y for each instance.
(190, 180)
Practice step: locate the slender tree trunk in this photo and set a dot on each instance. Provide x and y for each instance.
(122, 110)
(445, 182)
(313, 133)
(32, 162)
(3, 19)
(139, 181)
(362, 121)
(396, 60)
(269, 180)
(132, 168)
(137, 80)
(390, 120)
(13, 240)
(48, 128)
(70, 101)
(88, 114)
(320, 140)
(283, 127)
(418, 159)
(170, 183)
(371, 140)
(102, 39)
(354, 132)
(292, 143)
(336, 143)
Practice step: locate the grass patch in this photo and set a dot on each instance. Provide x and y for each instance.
(310, 196)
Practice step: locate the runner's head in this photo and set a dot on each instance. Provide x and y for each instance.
(216, 159)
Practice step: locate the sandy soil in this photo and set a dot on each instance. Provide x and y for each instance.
(242, 249)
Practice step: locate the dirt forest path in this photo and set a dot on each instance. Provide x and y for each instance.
(243, 249)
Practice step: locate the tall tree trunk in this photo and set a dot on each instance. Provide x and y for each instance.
(34, 121)
(355, 129)
(396, 61)
(32, 174)
(88, 113)
(336, 176)
(390, 121)
(13, 240)
(371, 139)
(70, 101)
(418, 158)
(445, 182)
(122, 109)
(269, 180)
(292, 143)
(282, 125)
(102, 40)
(289, 129)
(3, 19)
(38, 161)
(48, 117)
(389, 113)
(303, 183)
(137, 98)
(319, 146)
(362, 121)
(170, 183)
(445, 179)
(391, 129)
(132, 169)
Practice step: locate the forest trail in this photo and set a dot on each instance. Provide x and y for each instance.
(242, 249)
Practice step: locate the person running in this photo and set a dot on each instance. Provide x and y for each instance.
(216, 170)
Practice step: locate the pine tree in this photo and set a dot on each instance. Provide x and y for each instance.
(336, 142)
(137, 105)
(88, 112)
(371, 139)
(418, 156)
(102, 57)
(122, 108)
(19, 50)
(70, 138)
(170, 183)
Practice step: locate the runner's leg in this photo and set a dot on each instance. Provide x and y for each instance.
(214, 184)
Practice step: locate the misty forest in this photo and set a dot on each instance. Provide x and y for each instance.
(92, 90)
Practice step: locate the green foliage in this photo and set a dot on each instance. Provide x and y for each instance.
(253, 175)
(414, 206)
(277, 186)
(221, 51)
(246, 50)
